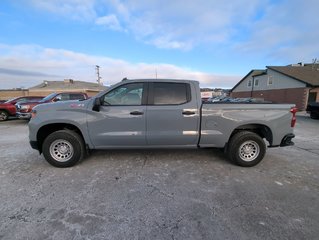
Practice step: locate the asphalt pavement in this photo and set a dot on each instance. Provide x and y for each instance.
(160, 194)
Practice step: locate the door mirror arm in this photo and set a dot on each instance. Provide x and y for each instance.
(97, 104)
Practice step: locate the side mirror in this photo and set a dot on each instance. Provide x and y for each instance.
(56, 99)
(97, 104)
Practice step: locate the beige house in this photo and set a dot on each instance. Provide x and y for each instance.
(295, 83)
(47, 87)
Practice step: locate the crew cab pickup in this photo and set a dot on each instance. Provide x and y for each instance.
(8, 108)
(158, 113)
(24, 109)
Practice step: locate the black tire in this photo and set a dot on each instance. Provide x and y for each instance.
(246, 149)
(3, 115)
(63, 148)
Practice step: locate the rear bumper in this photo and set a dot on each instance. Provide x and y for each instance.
(286, 141)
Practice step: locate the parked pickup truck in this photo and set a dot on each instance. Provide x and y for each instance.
(8, 108)
(24, 109)
(313, 110)
(158, 114)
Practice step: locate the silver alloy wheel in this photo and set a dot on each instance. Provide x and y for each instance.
(3, 116)
(61, 150)
(249, 151)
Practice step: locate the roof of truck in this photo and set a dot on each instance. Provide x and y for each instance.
(158, 80)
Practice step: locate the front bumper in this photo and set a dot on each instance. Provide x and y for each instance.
(286, 141)
(23, 115)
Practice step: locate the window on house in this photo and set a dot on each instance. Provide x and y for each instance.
(249, 83)
(256, 82)
(270, 80)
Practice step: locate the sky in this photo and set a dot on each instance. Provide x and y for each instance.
(214, 42)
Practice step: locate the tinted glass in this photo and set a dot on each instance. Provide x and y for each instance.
(76, 96)
(170, 93)
(49, 97)
(128, 94)
(35, 99)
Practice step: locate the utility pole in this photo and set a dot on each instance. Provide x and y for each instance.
(97, 68)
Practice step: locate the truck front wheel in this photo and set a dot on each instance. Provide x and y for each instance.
(63, 148)
(246, 149)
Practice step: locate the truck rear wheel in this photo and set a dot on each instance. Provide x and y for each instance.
(3, 115)
(63, 148)
(246, 149)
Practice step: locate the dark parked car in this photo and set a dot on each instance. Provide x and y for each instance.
(8, 108)
(313, 110)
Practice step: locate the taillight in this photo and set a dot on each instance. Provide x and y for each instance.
(293, 110)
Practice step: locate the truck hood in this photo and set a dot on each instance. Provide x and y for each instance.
(28, 103)
(64, 105)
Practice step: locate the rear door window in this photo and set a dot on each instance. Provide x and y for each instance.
(170, 93)
(76, 96)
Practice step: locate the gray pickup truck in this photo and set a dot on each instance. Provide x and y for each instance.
(158, 113)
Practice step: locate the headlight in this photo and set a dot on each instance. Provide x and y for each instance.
(25, 107)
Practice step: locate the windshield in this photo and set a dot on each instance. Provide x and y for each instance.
(50, 96)
(10, 100)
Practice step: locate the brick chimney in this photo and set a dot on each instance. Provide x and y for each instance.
(68, 81)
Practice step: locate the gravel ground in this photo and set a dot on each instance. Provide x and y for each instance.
(160, 194)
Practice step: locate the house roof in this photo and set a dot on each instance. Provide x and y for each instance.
(68, 84)
(253, 73)
(308, 73)
(305, 73)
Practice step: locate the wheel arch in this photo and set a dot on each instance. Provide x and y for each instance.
(260, 129)
(46, 130)
(5, 110)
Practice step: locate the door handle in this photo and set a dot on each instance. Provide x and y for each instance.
(188, 113)
(136, 113)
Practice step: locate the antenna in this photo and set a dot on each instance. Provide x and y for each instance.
(156, 73)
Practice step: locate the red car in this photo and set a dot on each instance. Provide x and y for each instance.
(8, 108)
(24, 109)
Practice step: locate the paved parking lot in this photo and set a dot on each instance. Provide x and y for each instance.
(160, 194)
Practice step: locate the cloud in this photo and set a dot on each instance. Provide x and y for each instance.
(270, 30)
(110, 22)
(27, 65)
(17, 72)
(185, 24)
(178, 24)
(287, 30)
(83, 10)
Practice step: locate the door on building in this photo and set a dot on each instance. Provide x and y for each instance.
(312, 97)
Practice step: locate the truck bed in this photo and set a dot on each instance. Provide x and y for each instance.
(220, 120)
